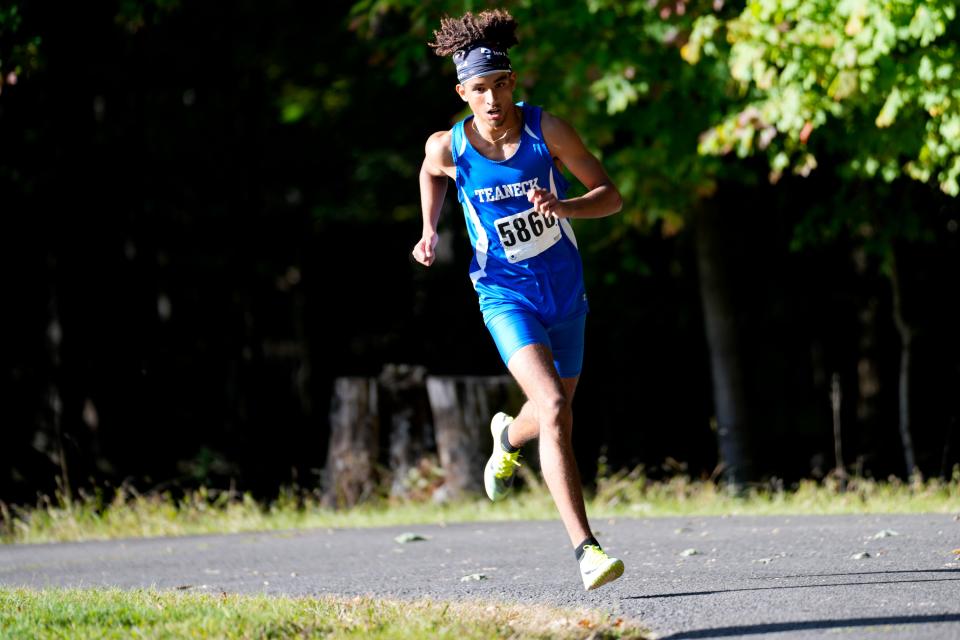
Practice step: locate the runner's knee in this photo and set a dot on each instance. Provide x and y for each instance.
(555, 415)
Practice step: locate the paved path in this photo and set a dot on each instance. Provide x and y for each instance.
(751, 577)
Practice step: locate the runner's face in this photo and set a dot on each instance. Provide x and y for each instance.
(490, 97)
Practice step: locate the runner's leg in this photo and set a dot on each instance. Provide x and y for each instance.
(534, 370)
(525, 426)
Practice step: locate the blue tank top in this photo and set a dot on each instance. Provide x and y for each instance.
(519, 257)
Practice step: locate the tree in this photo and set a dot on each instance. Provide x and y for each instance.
(870, 84)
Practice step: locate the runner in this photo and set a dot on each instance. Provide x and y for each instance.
(506, 161)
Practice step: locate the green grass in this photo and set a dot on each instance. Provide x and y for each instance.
(126, 513)
(111, 613)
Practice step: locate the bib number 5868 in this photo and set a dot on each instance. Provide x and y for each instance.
(523, 229)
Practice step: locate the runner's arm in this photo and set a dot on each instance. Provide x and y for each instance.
(602, 197)
(437, 167)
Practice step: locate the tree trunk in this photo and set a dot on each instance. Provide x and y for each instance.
(303, 373)
(906, 342)
(54, 398)
(836, 397)
(350, 473)
(462, 407)
(868, 369)
(406, 403)
(726, 366)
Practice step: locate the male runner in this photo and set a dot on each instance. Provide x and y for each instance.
(505, 160)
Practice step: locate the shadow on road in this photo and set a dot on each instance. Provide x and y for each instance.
(811, 586)
(858, 573)
(790, 586)
(811, 625)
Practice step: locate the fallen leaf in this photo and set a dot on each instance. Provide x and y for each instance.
(473, 576)
(886, 533)
(404, 538)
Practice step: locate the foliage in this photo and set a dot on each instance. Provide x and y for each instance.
(19, 52)
(134, 15)
(629, 94)
(874, 80)
(877, 79)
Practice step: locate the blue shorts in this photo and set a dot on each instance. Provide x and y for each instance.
(518, 327)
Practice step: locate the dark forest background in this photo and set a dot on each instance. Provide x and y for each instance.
(207, 213)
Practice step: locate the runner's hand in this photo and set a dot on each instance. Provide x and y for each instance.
(423, 251)
(545, 203)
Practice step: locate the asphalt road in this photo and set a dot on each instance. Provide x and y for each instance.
(726, 577)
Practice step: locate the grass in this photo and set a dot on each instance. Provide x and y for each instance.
(112, 613)
(127, 513)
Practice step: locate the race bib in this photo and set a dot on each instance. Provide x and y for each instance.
(527, 234)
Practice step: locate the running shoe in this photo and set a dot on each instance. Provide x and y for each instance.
(597, 568)
(498, 475)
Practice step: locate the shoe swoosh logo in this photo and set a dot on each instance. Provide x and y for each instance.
(591, 571)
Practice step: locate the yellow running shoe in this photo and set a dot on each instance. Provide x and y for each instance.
(597, 568)
(499, 473)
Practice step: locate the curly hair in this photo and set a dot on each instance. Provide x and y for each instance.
(495, 26)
